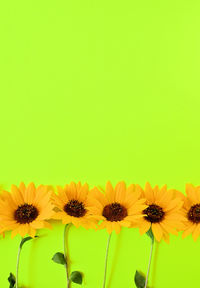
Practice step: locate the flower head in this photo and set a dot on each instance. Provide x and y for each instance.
(163, 214)
(71, 205)
(191, 210)
(117, 207)
(25, 209)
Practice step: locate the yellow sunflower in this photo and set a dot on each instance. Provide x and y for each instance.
(71, 205)
(163, 214)
(117, 207)
(191, 210)
(25, 209)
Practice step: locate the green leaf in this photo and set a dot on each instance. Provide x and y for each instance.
(25, 240)
(76, 277)
(59, 258)
(139, 280)
(150, 234)
(11, 280)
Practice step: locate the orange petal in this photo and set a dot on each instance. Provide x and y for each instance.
(196, 232)
(157, 231)
(144, 227)
(110, 194)
(149, 195)
(120, 192)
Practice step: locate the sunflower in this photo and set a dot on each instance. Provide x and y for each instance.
(25, 209)
(117, 207)
(71, 205)
(191, 210)
(163, 214)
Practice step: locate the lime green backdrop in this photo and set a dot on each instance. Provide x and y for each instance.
(95, 91)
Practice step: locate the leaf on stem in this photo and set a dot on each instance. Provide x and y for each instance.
(25, 240)
(76, 277)
(59, 258)
(139, 280)
(150, 234)
(11, 280)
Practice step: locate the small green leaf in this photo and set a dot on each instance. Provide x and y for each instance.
(76, 277)
(150, 234)
(59, 258)
(25, 240)
(11, 280)
(139, 280)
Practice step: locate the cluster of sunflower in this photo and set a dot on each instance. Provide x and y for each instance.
(155, 211)
(26, 209)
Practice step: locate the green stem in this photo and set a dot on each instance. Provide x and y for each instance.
(149, 265)
(18, 258)
(66, 254)
(106, 260)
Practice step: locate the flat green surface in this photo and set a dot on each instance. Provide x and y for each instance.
(96, 91)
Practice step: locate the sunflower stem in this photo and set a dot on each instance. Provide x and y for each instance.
(149, 265)
(106, 260)
(18, 258)
(66, 254)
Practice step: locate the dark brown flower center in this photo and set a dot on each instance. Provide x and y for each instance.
(114, 212)
(194, 213)
(26, 213)
(75, 208)
(154, 213)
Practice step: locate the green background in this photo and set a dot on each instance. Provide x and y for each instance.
(96, 91)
